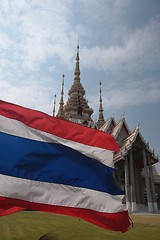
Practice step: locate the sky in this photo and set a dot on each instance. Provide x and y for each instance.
(119, 46)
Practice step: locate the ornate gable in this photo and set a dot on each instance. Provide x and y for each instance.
(121, 131)
(135, 141)
(109, 125)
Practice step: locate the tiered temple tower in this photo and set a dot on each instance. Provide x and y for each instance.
(76, 108)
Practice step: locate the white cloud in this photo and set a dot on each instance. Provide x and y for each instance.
(128, 95)
(135, 62)
(5, 42)
(120, 6)
(33, 96)
(38, 31)
(138, 50)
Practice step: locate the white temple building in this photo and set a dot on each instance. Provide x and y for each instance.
(135, 160)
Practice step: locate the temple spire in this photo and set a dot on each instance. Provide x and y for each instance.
(77, 108)
(77, 71)
(54, 106)
(60, 113)
(101, 118)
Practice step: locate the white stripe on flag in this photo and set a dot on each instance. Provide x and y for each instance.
(59, 195)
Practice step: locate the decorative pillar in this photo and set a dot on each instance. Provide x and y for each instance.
(132, 178)
(149, 198)
(155, 206)
(137, 183)
(126, 170)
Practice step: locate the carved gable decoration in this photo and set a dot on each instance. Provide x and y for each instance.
(123, 133)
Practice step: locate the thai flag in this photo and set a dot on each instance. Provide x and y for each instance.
(52, 165)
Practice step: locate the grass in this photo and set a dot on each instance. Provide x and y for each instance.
(32, 225)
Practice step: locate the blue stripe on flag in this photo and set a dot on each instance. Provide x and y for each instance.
(48, 162)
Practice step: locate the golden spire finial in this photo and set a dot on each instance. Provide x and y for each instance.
(77, 71)
(101, 118)
(62, 92)
(78, 45)
(61, 103)
(100, 94)
(54, 107)
(100, 100)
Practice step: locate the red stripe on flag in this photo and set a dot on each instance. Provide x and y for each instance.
(58, 127)
(7, 207)
(119, 221)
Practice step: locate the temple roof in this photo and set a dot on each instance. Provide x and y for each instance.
(122, 123)
(128, 143)
(126, 139)
(107, 124)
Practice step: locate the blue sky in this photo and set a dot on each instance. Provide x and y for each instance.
(119, 46)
